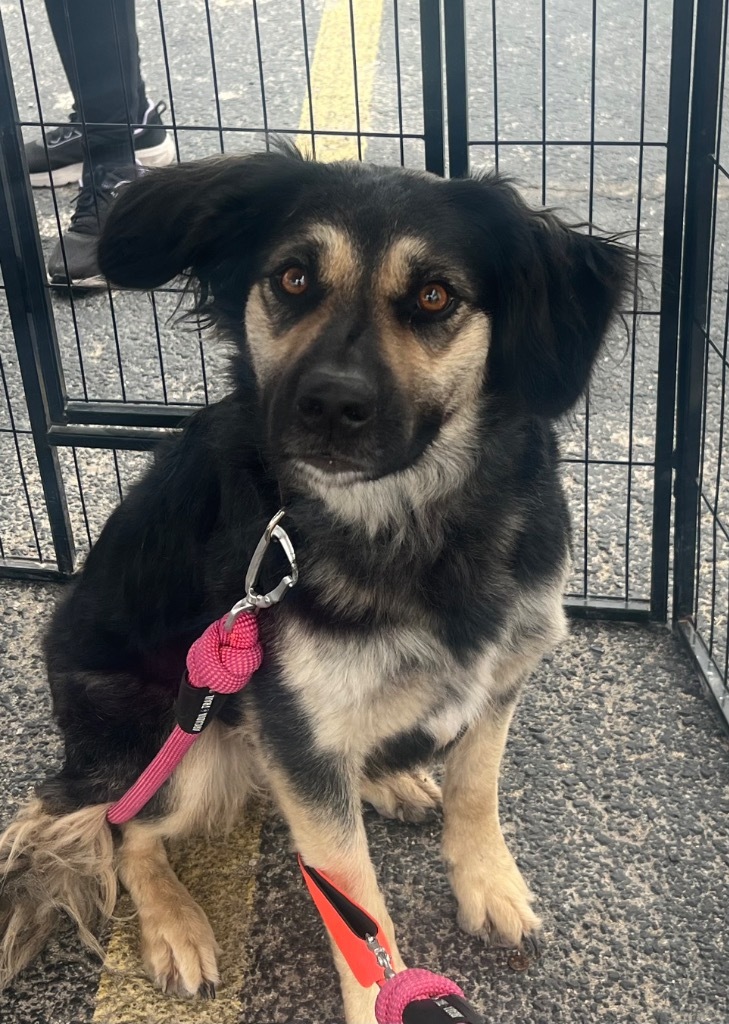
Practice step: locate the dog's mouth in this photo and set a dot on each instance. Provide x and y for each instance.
(330, 463)
(329, 469)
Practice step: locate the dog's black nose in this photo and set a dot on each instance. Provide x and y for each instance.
(328, 400)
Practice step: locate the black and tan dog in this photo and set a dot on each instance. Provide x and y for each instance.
(404, 346)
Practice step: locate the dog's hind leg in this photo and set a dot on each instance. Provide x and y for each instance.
(178, 946)
(328, 832)
(407, 796)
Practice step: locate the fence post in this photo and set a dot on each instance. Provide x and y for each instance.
(702, 169)
(31, 317)
(432, 70)
(673, 219)
(456, 72)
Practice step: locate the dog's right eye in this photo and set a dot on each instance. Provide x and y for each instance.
(294, 280)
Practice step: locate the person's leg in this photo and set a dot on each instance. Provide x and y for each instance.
(98, 46)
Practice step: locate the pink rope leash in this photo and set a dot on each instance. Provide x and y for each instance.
(415, 985)
(218, 663)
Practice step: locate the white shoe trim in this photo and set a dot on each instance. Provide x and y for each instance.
(151, 106)
(68, 175)
(96, 281)
(158, 156)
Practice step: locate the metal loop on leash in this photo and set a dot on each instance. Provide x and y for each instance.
(253, 601)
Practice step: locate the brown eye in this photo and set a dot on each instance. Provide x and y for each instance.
(295, 280)
(433, 298)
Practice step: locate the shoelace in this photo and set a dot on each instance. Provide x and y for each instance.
(92, 200)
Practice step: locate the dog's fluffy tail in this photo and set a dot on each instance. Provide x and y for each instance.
(53, 866)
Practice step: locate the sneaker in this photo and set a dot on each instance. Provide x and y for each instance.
(73, 260)
(62, 164)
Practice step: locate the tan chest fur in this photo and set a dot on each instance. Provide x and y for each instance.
(359, 691)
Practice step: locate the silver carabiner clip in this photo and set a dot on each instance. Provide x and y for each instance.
(253, 601)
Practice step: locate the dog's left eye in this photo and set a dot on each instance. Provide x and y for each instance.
(434, 298)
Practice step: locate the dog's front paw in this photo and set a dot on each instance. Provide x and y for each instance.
(494, 901)
(180, 952)
(407, 796)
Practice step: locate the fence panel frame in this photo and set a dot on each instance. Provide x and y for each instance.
(33, 324)
(699, 226)
(671, 283)
(699, 217)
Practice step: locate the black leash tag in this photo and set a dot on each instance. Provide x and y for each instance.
(196, 706)
(441, 1010)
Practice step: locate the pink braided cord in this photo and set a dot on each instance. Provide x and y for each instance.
(222, 661)
(219, 661)
(154, 775)
(408, 987)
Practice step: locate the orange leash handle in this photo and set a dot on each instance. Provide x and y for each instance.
(357, 935)
(414, 996)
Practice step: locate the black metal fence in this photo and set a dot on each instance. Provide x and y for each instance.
(701, 506)
(591, 106)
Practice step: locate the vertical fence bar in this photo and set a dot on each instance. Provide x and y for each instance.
(432, 70)
(456, 72)
(18, 196)
(676, 148)
(23, 269)
(694, 299)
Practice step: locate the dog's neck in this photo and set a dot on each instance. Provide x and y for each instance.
(385, 550)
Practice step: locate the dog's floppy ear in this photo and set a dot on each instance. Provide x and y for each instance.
(194, 215)
(552, 292)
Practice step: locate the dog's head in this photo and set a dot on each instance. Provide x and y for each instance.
(378, 307)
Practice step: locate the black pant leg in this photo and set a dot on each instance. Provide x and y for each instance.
(98, 46)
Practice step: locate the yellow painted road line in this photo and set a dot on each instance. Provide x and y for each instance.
(333, 93)
(226, 894)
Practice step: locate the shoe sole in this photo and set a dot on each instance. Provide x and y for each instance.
(152, 156)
